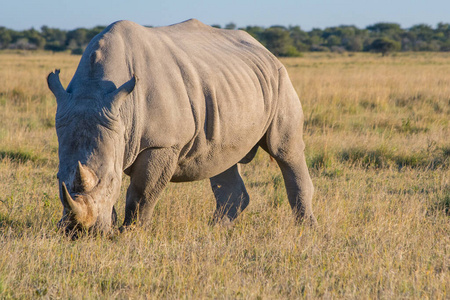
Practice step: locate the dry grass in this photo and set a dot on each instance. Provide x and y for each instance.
(377, 136)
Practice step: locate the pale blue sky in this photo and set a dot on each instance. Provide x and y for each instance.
(24, 14)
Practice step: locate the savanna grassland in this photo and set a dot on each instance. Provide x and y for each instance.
(377, 136)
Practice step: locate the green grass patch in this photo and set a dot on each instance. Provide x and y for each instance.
(319, 160)
(5, 221)
(409, 126)
(381, 157)
(441, 202)
(377, 158)
(19, 156)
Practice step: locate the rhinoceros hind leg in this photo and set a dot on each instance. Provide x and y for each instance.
(230, 193)
(149, 174)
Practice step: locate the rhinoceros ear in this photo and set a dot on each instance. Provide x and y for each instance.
(117, 97)
(54, 84)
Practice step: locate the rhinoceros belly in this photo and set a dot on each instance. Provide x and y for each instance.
(210, 155)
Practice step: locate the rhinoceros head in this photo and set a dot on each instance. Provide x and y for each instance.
(91, 148)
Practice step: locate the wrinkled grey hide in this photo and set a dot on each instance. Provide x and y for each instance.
(179, 103)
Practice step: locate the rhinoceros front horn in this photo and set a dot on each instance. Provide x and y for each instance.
(73, 205)
(85, 179)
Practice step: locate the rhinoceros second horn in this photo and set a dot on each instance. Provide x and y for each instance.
(85, 179)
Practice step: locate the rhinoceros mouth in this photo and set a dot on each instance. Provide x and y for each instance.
(79, 204)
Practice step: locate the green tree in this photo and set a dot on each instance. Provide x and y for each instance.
(34, 38)
(384, 46)
(422, 32)
(5, 37)
(77, 38)
(230, 26)
(444, 30)
(55, 38)
(353, 44)
(384, 28)
(333, 40)
(391, 31)
(91, 33)
(255, 31)
(299, 38)
(422, 36)
(279, 42)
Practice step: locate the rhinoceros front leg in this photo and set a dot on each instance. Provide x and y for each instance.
(149, 175)
(299, 187)
(230, 193)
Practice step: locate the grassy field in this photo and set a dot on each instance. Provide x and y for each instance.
(378, 147)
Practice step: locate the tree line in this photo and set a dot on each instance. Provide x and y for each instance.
(280, 40)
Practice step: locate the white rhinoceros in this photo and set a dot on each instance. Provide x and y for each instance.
(178, 103)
